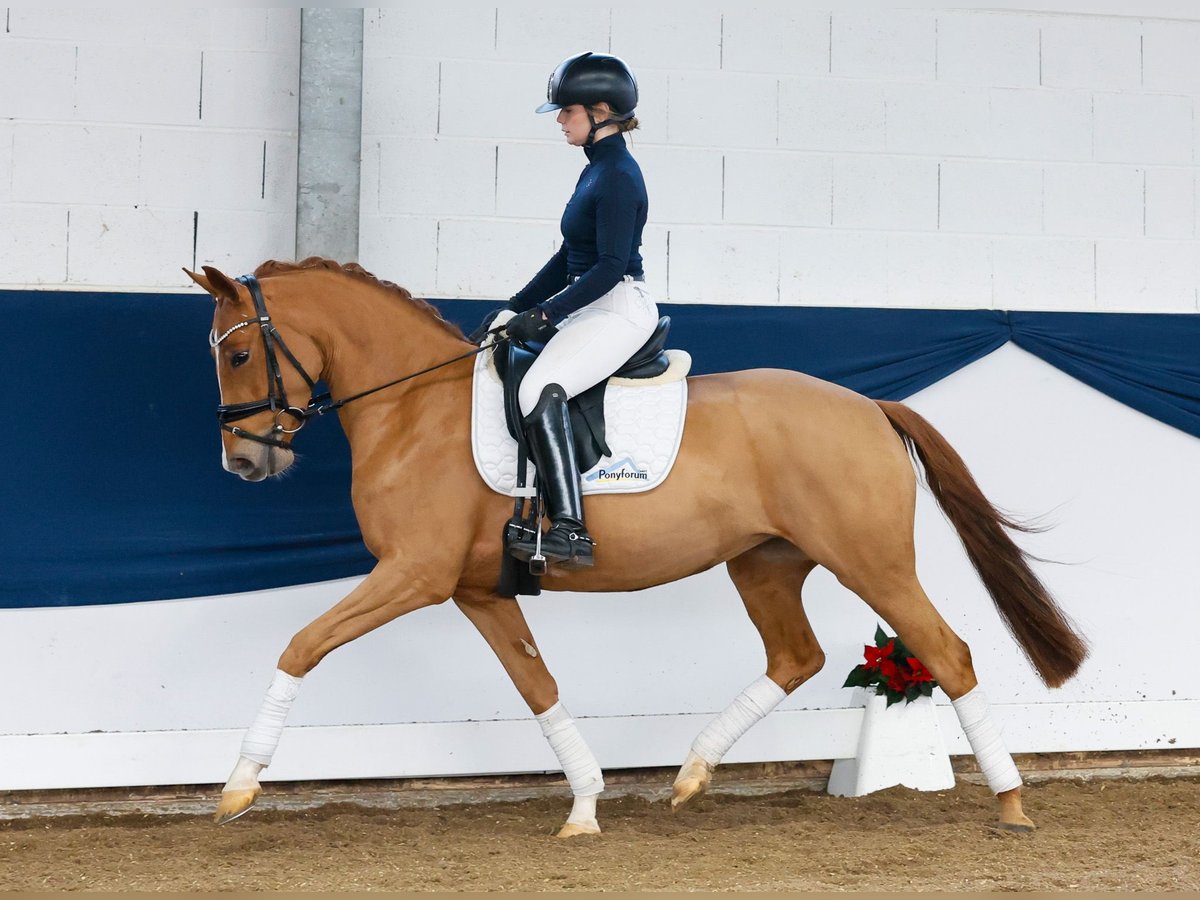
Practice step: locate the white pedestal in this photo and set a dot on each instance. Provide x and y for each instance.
(897, 745)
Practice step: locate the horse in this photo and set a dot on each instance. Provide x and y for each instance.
(811, 474)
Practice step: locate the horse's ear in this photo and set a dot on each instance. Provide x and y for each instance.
(216, 282)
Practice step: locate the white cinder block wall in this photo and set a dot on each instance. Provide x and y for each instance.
(971, 158)
(136, 142)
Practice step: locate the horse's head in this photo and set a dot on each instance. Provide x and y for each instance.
(263, 383)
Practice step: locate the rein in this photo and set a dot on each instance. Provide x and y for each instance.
(276, 400)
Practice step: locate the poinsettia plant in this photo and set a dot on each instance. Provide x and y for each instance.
(892, 670)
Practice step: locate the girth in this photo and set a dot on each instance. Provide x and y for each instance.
(586, 409)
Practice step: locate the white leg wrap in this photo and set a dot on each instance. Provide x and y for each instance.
(747, 708)
(245, 775)
(263, 737)
(577, 761)
(975, 716)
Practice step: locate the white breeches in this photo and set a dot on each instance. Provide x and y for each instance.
(592, 342)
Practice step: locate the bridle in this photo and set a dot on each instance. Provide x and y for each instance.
(276, 400)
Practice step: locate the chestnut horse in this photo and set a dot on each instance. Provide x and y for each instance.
(812, 474)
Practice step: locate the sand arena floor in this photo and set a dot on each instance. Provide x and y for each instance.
(1094, 834)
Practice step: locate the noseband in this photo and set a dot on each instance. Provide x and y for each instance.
(276, 400)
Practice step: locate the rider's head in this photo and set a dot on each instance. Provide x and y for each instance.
(592, 92)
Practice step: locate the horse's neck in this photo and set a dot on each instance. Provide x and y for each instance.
(374, 337)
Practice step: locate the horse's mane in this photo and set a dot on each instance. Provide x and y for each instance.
(354, 270)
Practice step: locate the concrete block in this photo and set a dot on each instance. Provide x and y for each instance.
(368, 180)
(778, 188)
(724, 264)
(667, 36)
(244, 89)
(463, 30)
(283, 29)
(1092, 200)
(991, 196)
(833, 268)
(990, 49)
(237, 241)
(654, 261)
(939, 270)
(211, 29)
(491, 259)
(439, 177)
(33, 244)
(683, 184)
(494, 100)
(535, 181)
(832, 114)
(401, 249)
(75, 164)
(775, 40)
(1092, 53)
(45, 71)
(890, 192)
(145, 85)
(218, 170)
(726, 109)
(889, 45)
(1041, 124)
(400, 96)
(103, 25)
(1171, 56)
(548, 33)
(1043, 273)
(1147, 276)
(126, 246)
(937, 119)
(6, 161)
(653, 111)
(1143, 128)
(1170, 203)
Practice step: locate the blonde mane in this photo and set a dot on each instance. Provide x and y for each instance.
(357, 272)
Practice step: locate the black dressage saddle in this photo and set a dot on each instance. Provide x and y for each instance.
(587, 409)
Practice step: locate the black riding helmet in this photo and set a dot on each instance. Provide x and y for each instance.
(589, 78)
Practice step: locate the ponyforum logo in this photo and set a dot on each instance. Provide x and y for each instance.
(622, 470)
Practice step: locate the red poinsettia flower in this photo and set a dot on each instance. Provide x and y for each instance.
(919, 673)
(897, 683)
(875, 655)
(889, 669)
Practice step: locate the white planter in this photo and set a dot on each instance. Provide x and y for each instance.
(897, 745)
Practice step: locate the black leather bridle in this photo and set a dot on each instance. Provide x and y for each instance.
(276, 400)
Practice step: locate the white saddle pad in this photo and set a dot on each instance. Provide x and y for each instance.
(643, 427)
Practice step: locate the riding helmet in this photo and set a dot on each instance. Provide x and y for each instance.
(589, 78)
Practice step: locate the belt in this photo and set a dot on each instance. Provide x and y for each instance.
(571, 279)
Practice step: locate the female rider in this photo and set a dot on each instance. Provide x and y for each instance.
(589, 303)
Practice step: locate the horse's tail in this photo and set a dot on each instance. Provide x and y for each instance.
(1034, 619)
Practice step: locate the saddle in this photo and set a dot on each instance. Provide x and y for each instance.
(586, 409)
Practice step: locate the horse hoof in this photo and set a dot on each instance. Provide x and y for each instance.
(574, 829)
(685, 789)
(1024, 826)
(234, 804)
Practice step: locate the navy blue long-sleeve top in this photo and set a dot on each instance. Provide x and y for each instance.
(602, 231)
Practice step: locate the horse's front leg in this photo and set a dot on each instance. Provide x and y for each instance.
(503, 626)
(391, 590)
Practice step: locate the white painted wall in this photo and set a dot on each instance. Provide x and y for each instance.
(161, 692)
(135, 142)
(1016, 159)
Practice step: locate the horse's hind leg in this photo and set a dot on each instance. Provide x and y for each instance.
(769, 579)
(503, 626)
(899, 598)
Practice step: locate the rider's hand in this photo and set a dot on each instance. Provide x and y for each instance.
(531, 325)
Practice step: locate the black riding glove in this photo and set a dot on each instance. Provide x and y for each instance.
(530, 326)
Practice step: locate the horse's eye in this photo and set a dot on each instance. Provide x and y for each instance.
(239, 358)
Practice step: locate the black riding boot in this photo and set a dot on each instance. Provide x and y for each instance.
(552, 445)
